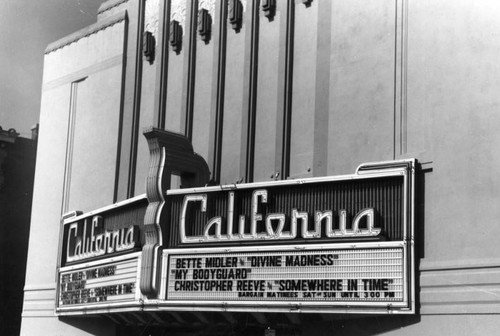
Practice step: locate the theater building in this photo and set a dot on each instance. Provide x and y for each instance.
(269, 167)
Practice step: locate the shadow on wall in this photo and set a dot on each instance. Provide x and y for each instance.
(92, 325)
(362, 326)
(245, 324)
(421, 177)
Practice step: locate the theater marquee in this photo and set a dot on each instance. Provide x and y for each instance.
(99, 259)
(334, 244)
(339, 244)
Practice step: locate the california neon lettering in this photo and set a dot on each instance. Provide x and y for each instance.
(275, 222)
(93, 242)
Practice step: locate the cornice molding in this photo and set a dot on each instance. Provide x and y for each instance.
(87, 31)
(108, 5)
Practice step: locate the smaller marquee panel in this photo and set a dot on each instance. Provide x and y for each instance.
(97, 285)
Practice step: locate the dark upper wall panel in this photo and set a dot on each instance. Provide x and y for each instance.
(269, 79)
(304, 86)
(204, 79)
(234, 95)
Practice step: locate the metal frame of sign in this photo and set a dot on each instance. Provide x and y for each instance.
(405, 168)
(291, 306)
(130, 304)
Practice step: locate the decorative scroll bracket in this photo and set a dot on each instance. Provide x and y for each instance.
(149, 46)
(170, 154)
(235, 14)
(269, 8)
(204, 25)
(175, 38)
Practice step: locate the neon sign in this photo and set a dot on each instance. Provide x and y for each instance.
(259, 197)
(92, 244)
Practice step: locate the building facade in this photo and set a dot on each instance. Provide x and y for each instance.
(180, 137)
(17, 170)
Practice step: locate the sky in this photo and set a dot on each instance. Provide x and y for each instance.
(26, 28)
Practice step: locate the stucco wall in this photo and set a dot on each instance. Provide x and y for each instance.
(77, 153)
